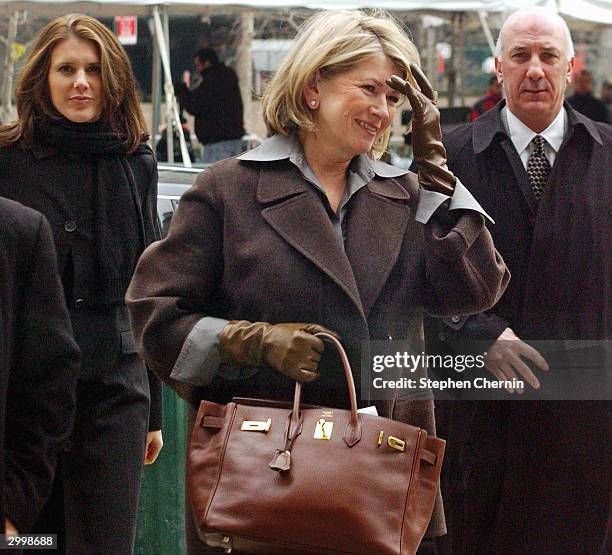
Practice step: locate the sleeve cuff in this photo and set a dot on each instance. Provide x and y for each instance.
(199, 359)
(462, 199)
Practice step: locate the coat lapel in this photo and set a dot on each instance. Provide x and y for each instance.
(375, 232)
(297, 214)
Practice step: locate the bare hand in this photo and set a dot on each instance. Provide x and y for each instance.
(153, 446)
(9, 527)
(505, 360)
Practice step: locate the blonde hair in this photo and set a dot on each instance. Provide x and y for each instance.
(121, 109)
(332, 42)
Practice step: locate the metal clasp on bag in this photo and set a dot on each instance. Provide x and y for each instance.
(256, 426)
(219, 540)
(226, 542)
(396, 443)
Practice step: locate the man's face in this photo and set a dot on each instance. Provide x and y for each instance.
(534, 70)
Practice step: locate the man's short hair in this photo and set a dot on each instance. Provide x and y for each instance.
(207, 55)
(551, 16)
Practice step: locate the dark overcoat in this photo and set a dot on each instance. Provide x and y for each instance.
(38, 364)
(254, 241)
(527, 476)
(117, 399)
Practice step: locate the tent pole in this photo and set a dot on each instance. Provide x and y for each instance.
(244, 65)
(166, 46)
(155, 87)
(171, 105)
(9, 70)
(486, 30)
(461, 52)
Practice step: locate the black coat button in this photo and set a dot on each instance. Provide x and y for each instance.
(79, 303)
(70, 226)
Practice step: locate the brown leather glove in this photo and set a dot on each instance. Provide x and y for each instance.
(429, 152)
(292, 349)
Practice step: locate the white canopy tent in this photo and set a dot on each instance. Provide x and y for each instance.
(599, 11)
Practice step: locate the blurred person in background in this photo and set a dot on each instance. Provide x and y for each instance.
(161, 149)
(583, 100)
(77, 154)
(217, 106)
(490, 99)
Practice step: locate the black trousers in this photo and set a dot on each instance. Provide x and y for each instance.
(94, 500)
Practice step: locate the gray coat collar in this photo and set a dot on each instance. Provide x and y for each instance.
(282, 182)
(279, 147)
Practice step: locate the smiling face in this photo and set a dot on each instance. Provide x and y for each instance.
(74, 79)
(354, 108)
(534, 69)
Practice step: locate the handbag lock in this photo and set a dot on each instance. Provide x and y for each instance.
(256, 426)
(396, 443)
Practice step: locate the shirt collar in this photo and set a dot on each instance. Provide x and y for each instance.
(521, 135)
(279, 147)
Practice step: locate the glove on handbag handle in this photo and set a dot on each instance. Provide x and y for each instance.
(352, 434)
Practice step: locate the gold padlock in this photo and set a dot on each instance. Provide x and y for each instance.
(323, 429)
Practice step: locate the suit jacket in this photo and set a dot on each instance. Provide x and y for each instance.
(523, 476)
(253, 241)
(558, 249)
(38, 364)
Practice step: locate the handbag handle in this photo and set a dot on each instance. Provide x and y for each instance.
(352, 433)
(281, 461)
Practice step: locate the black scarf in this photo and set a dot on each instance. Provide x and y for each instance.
(118, 218)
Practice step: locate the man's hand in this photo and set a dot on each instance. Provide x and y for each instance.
(504, 360)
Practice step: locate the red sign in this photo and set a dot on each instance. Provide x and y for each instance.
(126, 28)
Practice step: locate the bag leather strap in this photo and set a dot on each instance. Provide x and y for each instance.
(352, 432)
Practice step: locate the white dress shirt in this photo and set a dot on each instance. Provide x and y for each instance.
(521, 135)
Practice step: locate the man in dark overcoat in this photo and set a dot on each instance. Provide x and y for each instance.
(38, 365)
(533, 476)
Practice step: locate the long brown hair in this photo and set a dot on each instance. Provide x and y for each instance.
(121, 109)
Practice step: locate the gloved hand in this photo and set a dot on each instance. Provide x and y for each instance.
(429, 152)
(292, 349)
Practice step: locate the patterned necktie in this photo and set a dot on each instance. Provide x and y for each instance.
(538, 167)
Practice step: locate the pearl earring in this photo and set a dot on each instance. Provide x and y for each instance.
(313, 102)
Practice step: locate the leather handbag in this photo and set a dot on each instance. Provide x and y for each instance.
(268, 478)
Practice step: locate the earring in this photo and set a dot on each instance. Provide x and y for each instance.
(313, 103)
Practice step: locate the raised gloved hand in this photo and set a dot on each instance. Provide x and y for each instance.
(292, 349)
(429, 152)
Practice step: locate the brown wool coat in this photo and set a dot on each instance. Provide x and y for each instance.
(253, 241)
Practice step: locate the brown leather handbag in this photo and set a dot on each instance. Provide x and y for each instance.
(268, 479)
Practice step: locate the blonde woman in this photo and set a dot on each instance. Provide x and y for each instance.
(310, 227)
(77, 154)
